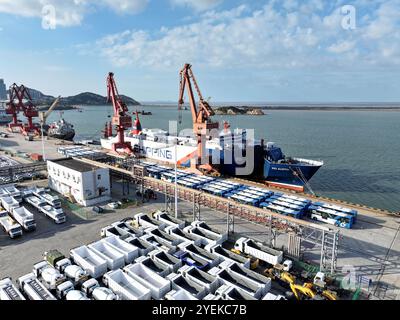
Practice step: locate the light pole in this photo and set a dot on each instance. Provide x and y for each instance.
(41, 130)
(176, 179)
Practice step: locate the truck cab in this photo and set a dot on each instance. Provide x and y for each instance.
(49, 275)
(92, 289)
(10, 226)
(63, 289)
(319, 280)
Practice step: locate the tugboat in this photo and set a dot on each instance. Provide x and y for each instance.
(62, 130)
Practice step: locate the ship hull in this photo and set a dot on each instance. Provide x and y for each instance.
(291, 173)
(269, 171)
(68, 137)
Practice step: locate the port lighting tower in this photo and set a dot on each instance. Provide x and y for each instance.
(201, 116)
(121, 119)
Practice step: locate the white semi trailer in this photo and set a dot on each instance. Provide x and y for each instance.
(125, 286)
(129, 251)
(158, 285)
(24, 217)
(259, 251)
(33, 288)
(8, 291)
(114, 257)
(94, 265)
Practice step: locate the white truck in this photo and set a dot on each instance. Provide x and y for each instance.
(170, 221)
(8, 291)
(259, 251)
(33, 288)
(12, 191)
(240, 282)
(143, 246)
(10, 226)
(93, 290)
(125, 286)
(129, 251)
(92, 263)
(191, 287)
(74, 273)
(180, 295)
(167, 259)
(145, 221)
(212, 259)
(35, 202)
(177, 233)
(53, 201)
(9, 203)
(202, 278)
(227, 292)
(114, 257)
(163, 236)
(158, 285)
(205, 227)
(57, 215)
(161, 269)
(24, 217)
(209, 238)
(230, 256)
(49, 275)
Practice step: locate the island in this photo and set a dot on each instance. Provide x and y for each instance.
(234, 111)
(43, 101)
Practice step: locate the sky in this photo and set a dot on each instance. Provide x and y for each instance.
(241, 51)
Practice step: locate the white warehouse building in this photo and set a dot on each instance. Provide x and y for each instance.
(87, 184)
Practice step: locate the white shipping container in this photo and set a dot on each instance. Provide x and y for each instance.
(115, 259)
(89, 261)
(125, 286)
(158, 286)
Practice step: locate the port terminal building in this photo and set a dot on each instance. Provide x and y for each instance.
(84, 183)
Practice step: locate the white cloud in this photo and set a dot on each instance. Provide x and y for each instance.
(69, 12)
(342, 47)
(198, 5)
(265, 38)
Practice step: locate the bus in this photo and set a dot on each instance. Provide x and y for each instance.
(352, 212)
(336, 218)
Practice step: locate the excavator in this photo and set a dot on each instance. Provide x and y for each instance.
(202, 123)
(307, 290)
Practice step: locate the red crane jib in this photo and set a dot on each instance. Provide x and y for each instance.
(121, 119)
(201, 116)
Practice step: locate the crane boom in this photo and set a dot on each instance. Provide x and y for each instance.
(121, 119)
(45, 114)
(201, 116)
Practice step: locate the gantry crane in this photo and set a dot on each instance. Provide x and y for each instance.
(20, 100)
(121, 119)
(13, 107)
(202, 123)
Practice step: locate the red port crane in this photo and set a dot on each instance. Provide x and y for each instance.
(121, 119)
(13, 107)
(20, 100)
(30, 111)
(202, 123)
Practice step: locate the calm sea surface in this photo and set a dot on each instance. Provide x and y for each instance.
(361, 150)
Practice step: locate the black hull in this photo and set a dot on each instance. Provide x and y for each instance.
(67, 137)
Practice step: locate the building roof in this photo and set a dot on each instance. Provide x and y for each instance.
(75, 165)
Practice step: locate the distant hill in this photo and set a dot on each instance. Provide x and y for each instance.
(85, 98)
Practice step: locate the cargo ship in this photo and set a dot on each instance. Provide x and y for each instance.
(265, 161)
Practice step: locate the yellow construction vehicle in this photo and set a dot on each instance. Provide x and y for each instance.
(254, 262)
(300, 291)
(277, 274)
(330, 295)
